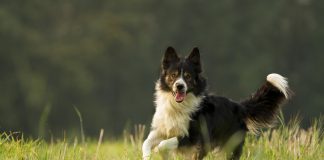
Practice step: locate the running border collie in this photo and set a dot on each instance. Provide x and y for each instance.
(193, 122)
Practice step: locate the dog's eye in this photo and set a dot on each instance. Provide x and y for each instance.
(173, 75)
(187, 76)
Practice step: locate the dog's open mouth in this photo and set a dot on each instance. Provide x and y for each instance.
(179, 96)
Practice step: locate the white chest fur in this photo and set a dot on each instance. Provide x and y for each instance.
(171, 118)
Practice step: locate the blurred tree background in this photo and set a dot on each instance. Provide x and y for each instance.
(103, 57)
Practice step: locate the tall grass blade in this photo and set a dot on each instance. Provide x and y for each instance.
(81, 124)
(43, 120)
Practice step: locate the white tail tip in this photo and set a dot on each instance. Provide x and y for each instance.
(279, 82)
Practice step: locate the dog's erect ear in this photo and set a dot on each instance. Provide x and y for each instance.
(170, 56)
(194, 57)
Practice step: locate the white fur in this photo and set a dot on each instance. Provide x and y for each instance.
(168, 144)
(171, 119)
(280, 82)
(179, 81)
(152, 140)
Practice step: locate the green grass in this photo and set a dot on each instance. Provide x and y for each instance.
(284, 142)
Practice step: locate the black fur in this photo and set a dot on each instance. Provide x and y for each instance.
(263, 106)
(172, 63)
(219, 121)
(221, 118)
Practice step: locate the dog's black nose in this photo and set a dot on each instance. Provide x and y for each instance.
(180, 86)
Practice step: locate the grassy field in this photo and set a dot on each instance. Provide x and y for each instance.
(285, 142)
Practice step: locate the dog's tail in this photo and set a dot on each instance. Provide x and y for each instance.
(263, 106)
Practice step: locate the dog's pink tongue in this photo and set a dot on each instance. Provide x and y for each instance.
(179, 97)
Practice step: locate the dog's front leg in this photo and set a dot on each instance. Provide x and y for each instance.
(168, 144)
(151, 141)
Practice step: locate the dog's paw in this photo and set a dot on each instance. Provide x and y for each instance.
(168, 144)
(163, 145)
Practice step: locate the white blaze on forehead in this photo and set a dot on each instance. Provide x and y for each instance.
(180, 80)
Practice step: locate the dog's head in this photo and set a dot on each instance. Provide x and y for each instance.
(181, 76)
